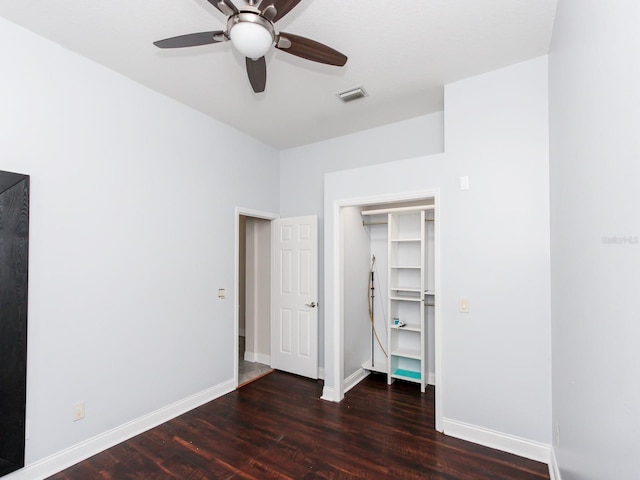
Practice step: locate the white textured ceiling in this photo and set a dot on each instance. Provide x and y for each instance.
(401, 51)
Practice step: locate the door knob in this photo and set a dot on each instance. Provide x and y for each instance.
(312, 304)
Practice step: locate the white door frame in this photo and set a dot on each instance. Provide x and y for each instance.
(247, 212)
(338, 330)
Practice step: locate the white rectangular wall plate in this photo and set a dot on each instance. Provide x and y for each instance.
(464, 305)
(77, 411)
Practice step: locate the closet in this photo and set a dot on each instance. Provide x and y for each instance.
(400, 245)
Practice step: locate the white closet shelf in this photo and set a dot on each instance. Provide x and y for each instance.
(406, 353)
(406, 240)
(408, 375)
(405, 299)
(408, 328)
(406, 245)
(380, 367)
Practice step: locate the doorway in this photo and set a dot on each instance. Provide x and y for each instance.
(275, 328)
(253, 274)
(357, 349)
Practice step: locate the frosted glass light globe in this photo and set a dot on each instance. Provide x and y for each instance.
(251, 39)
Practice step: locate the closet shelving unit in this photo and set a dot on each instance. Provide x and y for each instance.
(407, 293)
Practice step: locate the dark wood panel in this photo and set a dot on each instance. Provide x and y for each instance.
(14, 253)
(276, 427)
(9, 179)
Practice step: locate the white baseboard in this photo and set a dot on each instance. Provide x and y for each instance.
(321, 373)
(498, 440)
(329, 394)
(257, 357)
(70, 456)
(355, 378)
(554, 469)
(431, 379)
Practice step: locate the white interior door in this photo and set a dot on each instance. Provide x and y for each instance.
(294, 295)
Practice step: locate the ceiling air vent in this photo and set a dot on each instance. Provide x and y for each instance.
(352, 94)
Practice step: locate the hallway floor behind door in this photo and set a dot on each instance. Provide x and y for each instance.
(249, 371)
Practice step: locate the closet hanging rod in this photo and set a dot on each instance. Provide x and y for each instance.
(365, 224)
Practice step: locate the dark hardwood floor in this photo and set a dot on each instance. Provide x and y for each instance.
(276, 427)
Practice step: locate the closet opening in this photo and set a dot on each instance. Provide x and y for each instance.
(389, 297)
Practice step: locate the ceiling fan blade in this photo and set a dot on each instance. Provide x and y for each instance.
(257, 72)
(225, 6)
(191, 40)
(309, 49)
(274, 10)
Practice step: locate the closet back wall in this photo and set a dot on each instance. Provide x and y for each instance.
(356, 258)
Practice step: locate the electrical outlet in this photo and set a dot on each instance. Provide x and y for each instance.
(222, 293)
(77, 411)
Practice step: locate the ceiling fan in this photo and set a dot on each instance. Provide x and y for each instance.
(251, 31)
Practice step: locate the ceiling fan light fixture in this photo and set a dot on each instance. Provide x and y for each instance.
(250, 34)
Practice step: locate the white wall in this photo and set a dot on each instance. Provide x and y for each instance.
(263, 290)
(356, 260)
(497, 238)
(132, 232)
(595, 227)
(494, 248)
(430, 283)
(258, 335)
(378, 236)
(302, 170)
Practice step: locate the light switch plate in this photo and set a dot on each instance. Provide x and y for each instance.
(222, 293)
(464, 305)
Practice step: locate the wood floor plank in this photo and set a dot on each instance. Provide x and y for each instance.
(278, 428)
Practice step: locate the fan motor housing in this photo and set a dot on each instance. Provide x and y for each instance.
(250, 17)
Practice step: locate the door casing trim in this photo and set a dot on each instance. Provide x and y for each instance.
(247, 212)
